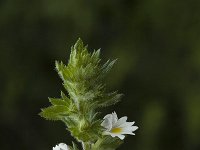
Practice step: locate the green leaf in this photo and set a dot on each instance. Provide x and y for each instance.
(58, 101)
(109, 99)
(86, 131)
(75, 147)
(107, 66)
(107, 143)
(54, 112)
(64, 97)
(60, 67)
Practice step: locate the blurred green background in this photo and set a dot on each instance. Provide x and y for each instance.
(157, 43)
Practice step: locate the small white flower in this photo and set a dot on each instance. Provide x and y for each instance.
(61, 146)
(117, 127)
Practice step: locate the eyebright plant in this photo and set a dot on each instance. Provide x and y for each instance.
(84, 80)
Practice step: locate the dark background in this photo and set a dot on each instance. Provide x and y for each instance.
(157, 43)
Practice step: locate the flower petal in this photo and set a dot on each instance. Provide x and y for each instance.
(108, 116)
(107, 124)
(121, 136)
(121, 121)
(61, 146)
(129, 130)
(114, 118)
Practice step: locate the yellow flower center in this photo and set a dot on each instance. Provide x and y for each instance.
(116, 130)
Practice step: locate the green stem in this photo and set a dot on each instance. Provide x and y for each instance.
(86, 146)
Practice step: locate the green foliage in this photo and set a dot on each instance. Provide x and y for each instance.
(84, 80)
(59, 110)
(58, 102)
(54, 112)
(86, 131)
(74, 147)
(107, 143)
(83, 77)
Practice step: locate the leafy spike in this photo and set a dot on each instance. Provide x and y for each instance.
(84, 80)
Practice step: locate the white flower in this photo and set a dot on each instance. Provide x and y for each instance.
(117, 127)
(61, 146)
